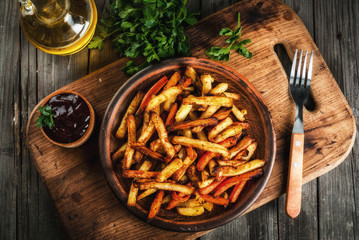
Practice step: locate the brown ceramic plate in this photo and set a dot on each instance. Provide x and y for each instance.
(261, 128)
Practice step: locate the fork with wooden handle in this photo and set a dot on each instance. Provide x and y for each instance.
(299, 85)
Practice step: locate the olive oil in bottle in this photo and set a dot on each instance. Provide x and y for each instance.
(60, 27)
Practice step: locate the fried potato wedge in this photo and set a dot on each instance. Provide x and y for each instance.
(121, 131)
(162, 133)
(139, 174)
(227, 133)
(238, 114)
(203, 145)
(146, 193)
(142, 149)
(234, 96)
(170, 169)
(194, 211)
(192, 123)
(165, 95)
(210, 101)
(207, 81)
(120, 152)
(156, 204)
(131, 125)
(243, 144)
(219, 128)
(219, 89)
(244, 168)
(188, 190)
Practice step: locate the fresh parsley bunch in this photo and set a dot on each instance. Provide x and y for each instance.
(46, 117)
(152, 29)
(235, 41)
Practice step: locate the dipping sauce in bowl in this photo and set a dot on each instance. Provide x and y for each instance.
(73, 119)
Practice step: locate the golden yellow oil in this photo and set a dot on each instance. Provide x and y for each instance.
(60, 27)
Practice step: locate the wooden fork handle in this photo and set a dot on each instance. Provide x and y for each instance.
(295, 175)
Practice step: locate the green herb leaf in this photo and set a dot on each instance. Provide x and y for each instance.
(153, 29)
(220, 54)
(96, 42)
(46, 117)
(226, 32)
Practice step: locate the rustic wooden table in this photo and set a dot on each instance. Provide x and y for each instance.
(330, 208)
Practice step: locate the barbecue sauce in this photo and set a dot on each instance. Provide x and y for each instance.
(71, 118)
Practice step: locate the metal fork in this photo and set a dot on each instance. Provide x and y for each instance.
(299, 86)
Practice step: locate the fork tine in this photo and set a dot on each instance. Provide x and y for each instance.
(297, 78)
(292, 72)
(310, 68)
(302, 79)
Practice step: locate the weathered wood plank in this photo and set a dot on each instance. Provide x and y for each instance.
(9, 149)
(54, 72)
(334, 38)
(28, 178)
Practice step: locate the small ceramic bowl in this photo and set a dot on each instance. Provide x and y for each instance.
(261, 128)
(89, 130)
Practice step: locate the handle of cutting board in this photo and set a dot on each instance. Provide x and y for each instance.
(295, 175)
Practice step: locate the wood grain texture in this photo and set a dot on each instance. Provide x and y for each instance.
(336, 189)
(9, 104)
(57, 173)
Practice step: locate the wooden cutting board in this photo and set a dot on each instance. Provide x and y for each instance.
(74, 178)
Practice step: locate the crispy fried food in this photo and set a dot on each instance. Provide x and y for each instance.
(131, 125)
(173, 80)
(212, 186)
(205, 183)
(219, 128)
(203, 145)
(234, 96)
(190, 158)
(188, 190)
(142, 149)
(217, 200)
(169, 170)
(146, 193)
(120, 152)
(162, 133)
(191, 172)
(210, 101)
(192, 123)
(250, 151)
(153, 90)
(219, 89)
(244, 168)
(139, 174)
(207, 81)
(236, 191)
(232, 163)
(121, 131)
(156, 204)
(230, 182)
(239, 114)
(228, 132)
(132, 195)
(194, 211)
(165, 95)
(222, 114)
(243, 144)
(171, 115)
(206, 114)
(206, 157)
